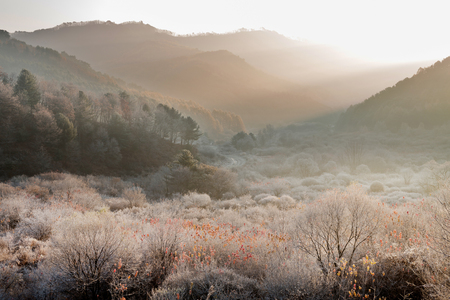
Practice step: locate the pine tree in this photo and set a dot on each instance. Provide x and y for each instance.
(190, 131)
(27, 87)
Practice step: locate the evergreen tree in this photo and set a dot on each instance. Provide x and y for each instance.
(4, 35)
(190, 130)
(27, 88)
(68, 130)
(186, 159)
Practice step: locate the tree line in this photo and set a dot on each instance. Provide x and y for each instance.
(45, 127)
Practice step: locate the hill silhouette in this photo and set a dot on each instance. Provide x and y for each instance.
(422, 99)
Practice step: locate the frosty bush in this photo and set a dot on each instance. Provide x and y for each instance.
(377, 187)
(196, 200)
(38, 224)
(306, 167)
(362, 169)
(135, 196)
(212, 284)
(330, 167)
(85, 249)
(6, 189)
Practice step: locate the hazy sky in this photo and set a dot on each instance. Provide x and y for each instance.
(390, 30)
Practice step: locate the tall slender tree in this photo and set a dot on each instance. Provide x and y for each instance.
(27, 88)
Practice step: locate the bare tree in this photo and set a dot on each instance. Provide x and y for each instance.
(336, 225)
(353, 153)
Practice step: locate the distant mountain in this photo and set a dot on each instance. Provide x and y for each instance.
(222, 80)
(423, 98)
(51, 65)
(339, 79)
(160, 61)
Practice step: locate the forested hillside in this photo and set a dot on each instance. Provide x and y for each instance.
(422, 100)
(44, 127)
(51, 65)
(159, 61)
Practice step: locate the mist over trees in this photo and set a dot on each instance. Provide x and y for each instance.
(45, 128)
(50, 65)
(159, 61)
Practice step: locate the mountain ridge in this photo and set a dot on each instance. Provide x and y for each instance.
(423, 98)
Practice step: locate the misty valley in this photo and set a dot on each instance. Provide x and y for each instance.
(218, 166)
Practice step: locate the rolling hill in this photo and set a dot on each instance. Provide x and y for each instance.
(422, 99)
(50, 65)
(163, 62)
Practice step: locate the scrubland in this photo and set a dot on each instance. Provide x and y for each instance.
(312, 214)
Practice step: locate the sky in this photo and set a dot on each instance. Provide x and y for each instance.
(377, 30)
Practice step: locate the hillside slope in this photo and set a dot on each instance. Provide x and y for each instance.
(160, 61)
(50, 65)
(339, 78)
(221, 80)
(423, 98)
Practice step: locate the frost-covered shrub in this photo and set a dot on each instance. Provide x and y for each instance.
(257, 198)
(407, 175)
(51, 176)
(210, 284)
(228, 195)
(377, 187)
(86, 198)
(306, 167)
(286, 202)
(377, 164)
(10, 281)
(117, 203)
(228, 204)
(282, 202)
(11, 210)
(66, 185)
(362, 169)
(310, 182)
(6, 189)
(111, 186)
(196, 200)
(344, 177)
(135, 196)
(268, 200)
(38, 225)
(330, 167)
(85, 249)
(39, 192)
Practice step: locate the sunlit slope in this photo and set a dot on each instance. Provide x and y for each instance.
(423, 98)
(220, 79)
(159, 61)
(51, 65)
(338, 78)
